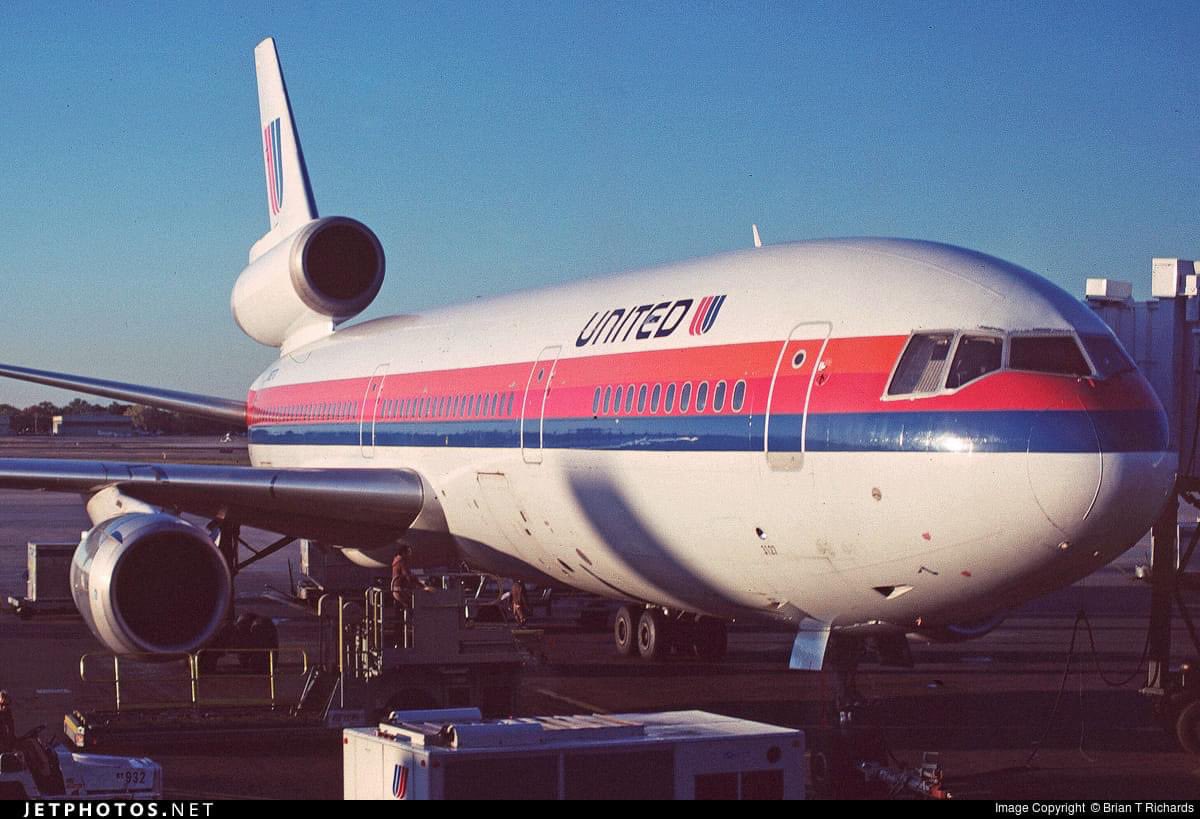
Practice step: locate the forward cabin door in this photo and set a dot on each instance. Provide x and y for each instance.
(369, 412)
(533, 408)
(797, 370)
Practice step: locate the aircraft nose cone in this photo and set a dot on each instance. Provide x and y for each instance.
(1065, 465)
(1139, 477)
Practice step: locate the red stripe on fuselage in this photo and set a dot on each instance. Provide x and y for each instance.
(854, 380)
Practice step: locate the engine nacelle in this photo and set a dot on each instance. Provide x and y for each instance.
(326, 272)
(151, 583)
(961, 632)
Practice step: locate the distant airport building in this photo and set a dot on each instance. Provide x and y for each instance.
(92, 424)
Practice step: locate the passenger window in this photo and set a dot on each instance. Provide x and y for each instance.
(655, 398)
(1058, 355)
(975, 357)
(629, 400)
(739, 396)
(669, 404)
(596, 402)
(922, 364)
(607, 399)
(719, 397)
(685, 397)
(701, 396)
(617, 400)
(642, 399)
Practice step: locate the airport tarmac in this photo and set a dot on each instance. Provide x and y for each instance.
(982, 704)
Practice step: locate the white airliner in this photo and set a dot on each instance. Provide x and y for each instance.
(858, 436)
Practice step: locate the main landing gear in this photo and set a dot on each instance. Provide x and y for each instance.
(653, 633)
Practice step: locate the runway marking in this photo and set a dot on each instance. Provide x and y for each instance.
(586, 706)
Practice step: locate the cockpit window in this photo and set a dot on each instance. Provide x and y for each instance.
(1058, 355)
(922, 364)
(975, 357)
(1107, 354)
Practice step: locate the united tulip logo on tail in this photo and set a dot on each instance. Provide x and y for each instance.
(271, 146)
(706, 314)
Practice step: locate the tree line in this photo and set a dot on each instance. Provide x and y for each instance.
(37, 419)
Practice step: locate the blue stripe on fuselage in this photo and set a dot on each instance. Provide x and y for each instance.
(943, 431)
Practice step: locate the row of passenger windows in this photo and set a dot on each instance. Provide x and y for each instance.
(634, 399)
(320, 411)
(922, 368)
(475, 405)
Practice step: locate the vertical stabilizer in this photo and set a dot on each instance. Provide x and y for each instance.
(290, 202)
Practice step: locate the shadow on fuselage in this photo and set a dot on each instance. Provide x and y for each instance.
(639, 557)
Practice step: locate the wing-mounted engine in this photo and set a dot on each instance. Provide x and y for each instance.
(151, 583)
(324, 273)
(961, 632)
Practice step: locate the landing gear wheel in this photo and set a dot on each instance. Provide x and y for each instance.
(652, 642)
(711, 639)
(1187, 727)
(624, 630)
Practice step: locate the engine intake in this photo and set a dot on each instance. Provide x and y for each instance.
(151, 584)
(327, 271)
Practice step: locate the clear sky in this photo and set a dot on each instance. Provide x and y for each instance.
(501, 145)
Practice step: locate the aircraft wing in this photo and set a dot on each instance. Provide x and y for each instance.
(205, 406)
(361, 506)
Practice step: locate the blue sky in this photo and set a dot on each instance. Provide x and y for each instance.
(501, 145)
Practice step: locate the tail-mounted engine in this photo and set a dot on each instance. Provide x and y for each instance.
(324, 273)
(151, 583)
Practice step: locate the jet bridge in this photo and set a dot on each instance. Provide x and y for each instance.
(1162, 335)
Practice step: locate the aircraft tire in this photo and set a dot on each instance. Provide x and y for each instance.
(652, 639)
(625, 632)
(1187, 727)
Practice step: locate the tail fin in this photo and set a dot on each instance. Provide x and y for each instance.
(290, 202)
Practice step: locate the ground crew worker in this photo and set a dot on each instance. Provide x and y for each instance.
(403, 580)
(518, 603)
(8, 729)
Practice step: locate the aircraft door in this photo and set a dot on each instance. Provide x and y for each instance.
(533, 408)
(797, 369)
(369, 412)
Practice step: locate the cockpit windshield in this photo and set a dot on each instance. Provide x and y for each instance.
(922, 364)
(1054, 354)
(1107, 354)
(975, 357)
(934, 362)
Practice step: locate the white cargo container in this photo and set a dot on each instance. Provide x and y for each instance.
(453, 754)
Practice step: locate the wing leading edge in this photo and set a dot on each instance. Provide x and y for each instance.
(204, 406)
(345, 506)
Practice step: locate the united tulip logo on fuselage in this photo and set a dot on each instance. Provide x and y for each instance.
(650, 321)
